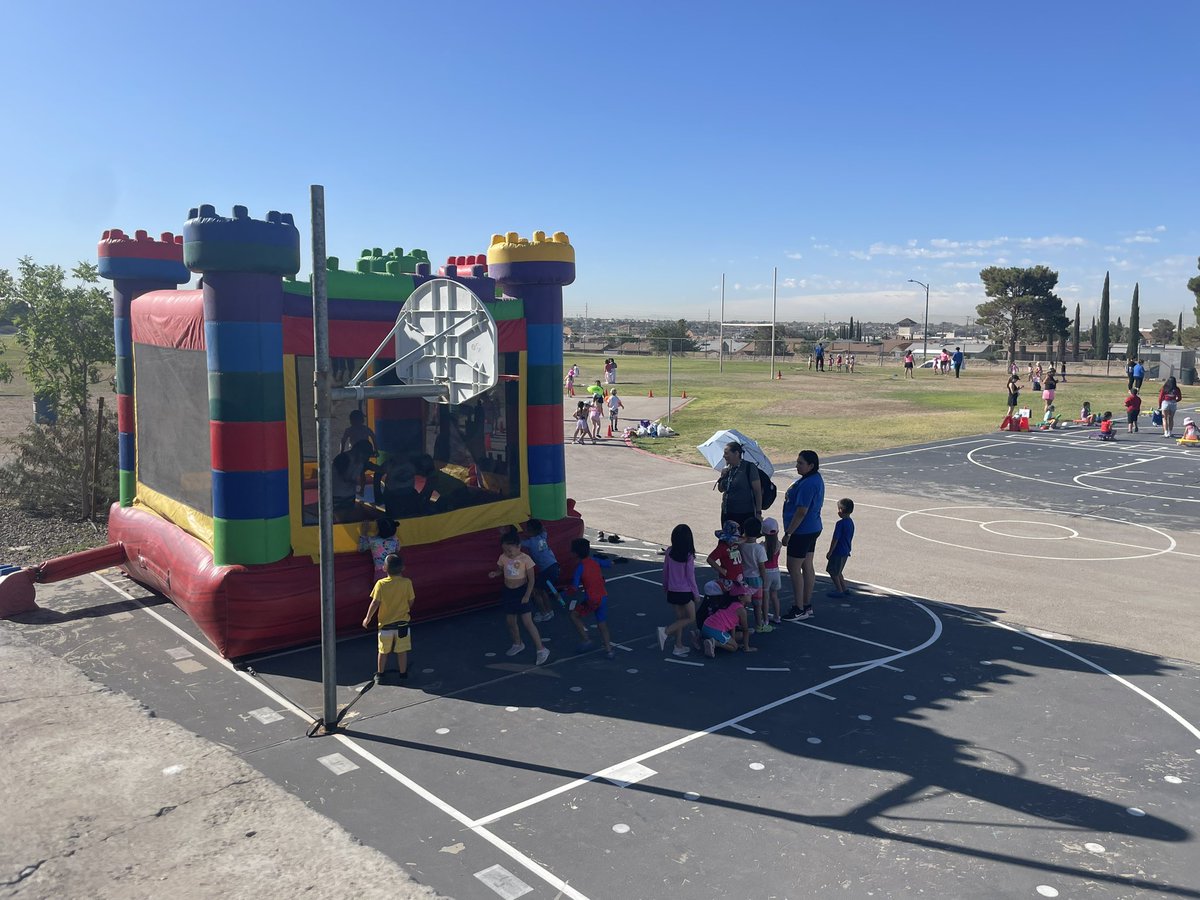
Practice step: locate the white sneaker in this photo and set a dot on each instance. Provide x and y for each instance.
(540, 617)
(662, 637)
(514, 649)
(681, 651)
(542, 656)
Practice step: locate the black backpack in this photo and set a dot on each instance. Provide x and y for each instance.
(769, 491)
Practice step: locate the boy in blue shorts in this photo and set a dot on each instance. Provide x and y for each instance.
(392, 598)
(839, 547)
(595, 597)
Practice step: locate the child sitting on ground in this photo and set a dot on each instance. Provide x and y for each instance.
(1049, 419)
(1106, 428)
(726, 621)
(1085, 415)
(1190, 433)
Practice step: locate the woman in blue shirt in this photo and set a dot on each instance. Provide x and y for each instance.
(801, 527)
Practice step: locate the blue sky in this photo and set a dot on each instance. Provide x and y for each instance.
(854, 145)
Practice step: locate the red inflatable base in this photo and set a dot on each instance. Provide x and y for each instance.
(246, 610)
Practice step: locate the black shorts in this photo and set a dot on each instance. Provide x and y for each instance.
(1131, 415)
(510, 601)
(548, 574)
(1012, 399)
(680, 598)
(836, 564)
(800, 545)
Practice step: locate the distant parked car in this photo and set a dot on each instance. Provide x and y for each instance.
(928, 364)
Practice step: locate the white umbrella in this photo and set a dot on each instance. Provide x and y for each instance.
(714, 448)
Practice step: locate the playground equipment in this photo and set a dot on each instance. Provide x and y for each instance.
(218, 475)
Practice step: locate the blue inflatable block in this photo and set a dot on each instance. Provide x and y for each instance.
(547, 464)
(244, 346)
(134, 268)
(250, 495)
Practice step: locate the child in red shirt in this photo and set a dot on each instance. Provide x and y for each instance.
(726, 558)
(595, 597)
(1133, 408)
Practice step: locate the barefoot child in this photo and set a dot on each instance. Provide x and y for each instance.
(517, 570)
(595, 597)
(392, 599)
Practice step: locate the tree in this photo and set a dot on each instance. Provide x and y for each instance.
(66, 332)
(1194, 286)
(1075, 335)
(1102, 340)
(1179, 327)
(1118, 331)
(761, 337)
(1134, 334)
(673, 335)
(1022, 304)
(1162, 331)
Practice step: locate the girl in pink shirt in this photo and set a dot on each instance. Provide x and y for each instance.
(722, 626)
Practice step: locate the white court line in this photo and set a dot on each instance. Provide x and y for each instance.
(639, 577)
(823, 696)
(682, 662)
(1071, 484)
(743, 729)
(687, 739)
(1078, 537)
(1195, 732)
(506, 848)
(1171, 542)
(850, 636)
(640, 493)
(832, 466)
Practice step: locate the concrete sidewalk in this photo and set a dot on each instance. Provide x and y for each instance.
(104, 800)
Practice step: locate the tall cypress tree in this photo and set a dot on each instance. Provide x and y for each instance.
(1092, 335)
(1102, 323)
(1179, 330)
(1134, 317)
(1075, 336)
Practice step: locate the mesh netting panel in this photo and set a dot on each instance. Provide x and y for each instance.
(174, 455)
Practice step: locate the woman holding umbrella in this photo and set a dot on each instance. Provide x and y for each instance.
(801, 527)
(741, 490)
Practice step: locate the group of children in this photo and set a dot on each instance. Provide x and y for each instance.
(744, 597)
(741, 601)
(530, 574)
(588, 416)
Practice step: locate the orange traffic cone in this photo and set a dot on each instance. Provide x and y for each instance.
(610, 430)
(684, 397)
(779, 373)
(651, 394)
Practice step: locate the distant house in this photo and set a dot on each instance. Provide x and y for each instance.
(907, 328)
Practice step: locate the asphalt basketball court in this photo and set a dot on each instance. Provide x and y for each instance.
(1005, 708)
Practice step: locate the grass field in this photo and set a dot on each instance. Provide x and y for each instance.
(834, 412)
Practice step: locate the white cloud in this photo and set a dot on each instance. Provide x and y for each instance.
(794, 255)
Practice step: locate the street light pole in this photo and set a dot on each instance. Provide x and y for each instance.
(925, 332)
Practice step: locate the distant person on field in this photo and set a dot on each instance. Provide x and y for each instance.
(614, 406)
(392, 599)
(1049, 386)
(909, 362)
(839, 547)
(819, 350)
(1012, 389)
(957, 361)
(1139, 373)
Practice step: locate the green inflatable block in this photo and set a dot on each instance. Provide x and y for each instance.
(248, 542)
(548, 501)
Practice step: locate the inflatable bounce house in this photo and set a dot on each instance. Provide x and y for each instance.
(218, 456)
